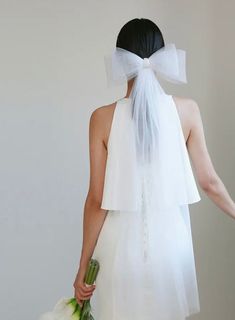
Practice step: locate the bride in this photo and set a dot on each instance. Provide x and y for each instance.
(142, 38)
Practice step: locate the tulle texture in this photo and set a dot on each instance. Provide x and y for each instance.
(172, 181)
(147, 266)
(122, 65)
(145, 249)
(146, 133)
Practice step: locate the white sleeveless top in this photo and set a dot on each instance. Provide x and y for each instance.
(169, 179)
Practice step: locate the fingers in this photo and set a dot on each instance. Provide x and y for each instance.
(83, 292)
(80, 298)
(84, 287)
(88, 287)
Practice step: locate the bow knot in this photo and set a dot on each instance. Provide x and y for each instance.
(146, 63)
(168, 62)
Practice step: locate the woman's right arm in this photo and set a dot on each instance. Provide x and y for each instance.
(206, 175)
(94, 216)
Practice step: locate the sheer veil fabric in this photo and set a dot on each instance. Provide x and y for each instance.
(122, 65)
(153, 117)
(145, 248)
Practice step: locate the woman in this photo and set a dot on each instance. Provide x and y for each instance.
(164, 284)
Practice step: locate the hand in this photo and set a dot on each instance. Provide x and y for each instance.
(82, 291)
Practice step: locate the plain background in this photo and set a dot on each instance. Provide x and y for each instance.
(51, 59)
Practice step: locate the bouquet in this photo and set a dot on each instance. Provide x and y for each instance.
(68, 308)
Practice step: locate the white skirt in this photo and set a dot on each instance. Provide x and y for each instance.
(147, 268)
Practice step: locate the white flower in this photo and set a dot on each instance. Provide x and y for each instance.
(63, 310)
(61, 304)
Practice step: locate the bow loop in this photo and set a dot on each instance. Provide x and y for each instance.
(167, 62)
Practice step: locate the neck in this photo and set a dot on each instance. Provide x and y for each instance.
(129, 87)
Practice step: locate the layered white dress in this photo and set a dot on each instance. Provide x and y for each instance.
(145, 250)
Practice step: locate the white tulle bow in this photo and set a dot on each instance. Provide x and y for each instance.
(167, 62)
(122, 65)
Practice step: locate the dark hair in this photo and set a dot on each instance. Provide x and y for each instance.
(140, 36)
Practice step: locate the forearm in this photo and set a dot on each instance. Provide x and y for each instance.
(218, 193)
(93, 220)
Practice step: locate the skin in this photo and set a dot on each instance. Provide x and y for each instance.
(94, 216)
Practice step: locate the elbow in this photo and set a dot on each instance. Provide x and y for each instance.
(210, 184)
(92, 203)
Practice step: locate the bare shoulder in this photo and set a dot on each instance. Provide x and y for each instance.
(188, 112)
(185, 104)
(102, 112)
(187, 108)
(101, 119)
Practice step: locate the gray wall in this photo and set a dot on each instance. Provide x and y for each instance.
(51, 58)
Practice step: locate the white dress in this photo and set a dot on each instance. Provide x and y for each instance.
(145, 250)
